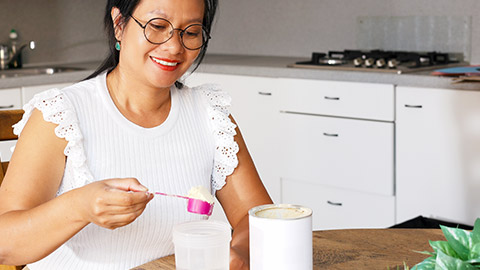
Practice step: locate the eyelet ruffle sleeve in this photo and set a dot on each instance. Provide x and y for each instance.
(226, 148)
(57, 109)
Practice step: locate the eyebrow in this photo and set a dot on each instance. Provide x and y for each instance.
(158, 12)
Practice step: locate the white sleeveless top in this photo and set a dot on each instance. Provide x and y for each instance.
(194, 146)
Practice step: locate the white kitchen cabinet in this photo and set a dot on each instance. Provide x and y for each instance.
(6, 148)
(343, 153)
(10, 99)
(338, 146)
(337, 208)
(29, 91)
(438, 154)
(255, 109)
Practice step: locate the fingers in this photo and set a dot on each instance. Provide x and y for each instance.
(116, 209)
(126, 184)
(119, 197)
(119, 220)
(115, 202)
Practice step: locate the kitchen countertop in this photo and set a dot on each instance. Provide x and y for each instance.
(266, 66)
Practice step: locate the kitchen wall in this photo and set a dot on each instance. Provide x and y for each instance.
(64, 30)
(72, 31)
(296, 28)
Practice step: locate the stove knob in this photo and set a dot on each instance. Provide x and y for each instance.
(358, 61)
(369, 62)
(380, 63)
(393, 63)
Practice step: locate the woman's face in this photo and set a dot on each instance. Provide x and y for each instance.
(159, 65)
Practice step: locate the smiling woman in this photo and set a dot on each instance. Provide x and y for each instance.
(152, 18)
(82, 195)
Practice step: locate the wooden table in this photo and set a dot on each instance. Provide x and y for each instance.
(356, 249)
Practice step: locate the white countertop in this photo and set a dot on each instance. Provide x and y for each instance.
(264, 66)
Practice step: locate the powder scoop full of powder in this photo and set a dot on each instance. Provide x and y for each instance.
(201, 193)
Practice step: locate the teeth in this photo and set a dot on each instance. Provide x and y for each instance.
(165, 63)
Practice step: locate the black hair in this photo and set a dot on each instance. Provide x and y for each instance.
(126, 8)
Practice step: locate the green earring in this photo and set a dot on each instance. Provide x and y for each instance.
(117, 46)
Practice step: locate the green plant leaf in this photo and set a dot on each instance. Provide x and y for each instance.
(476, 231)
(445, 247)
(459, 239)
(445, 262)
(461, 250)
(426, 253)
(474, 251)
(474, 261)
(475, 238)
(427, 264)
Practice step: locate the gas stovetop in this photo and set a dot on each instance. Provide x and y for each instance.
(382, 61)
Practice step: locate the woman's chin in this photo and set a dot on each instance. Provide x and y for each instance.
(164, 79)
(163, 82)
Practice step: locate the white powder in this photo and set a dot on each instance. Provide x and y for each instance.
(282, 213)
(201, 193)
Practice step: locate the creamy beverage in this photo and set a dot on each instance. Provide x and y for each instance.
(277, 212)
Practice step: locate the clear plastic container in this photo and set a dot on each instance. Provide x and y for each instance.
(202, 245)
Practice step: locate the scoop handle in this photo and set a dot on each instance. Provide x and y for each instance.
(171, 195)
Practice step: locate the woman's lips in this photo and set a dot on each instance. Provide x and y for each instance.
(165, 64)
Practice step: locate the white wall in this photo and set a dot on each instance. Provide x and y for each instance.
(298, 27)
(71, 30)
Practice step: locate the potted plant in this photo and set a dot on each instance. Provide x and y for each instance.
(460, 251)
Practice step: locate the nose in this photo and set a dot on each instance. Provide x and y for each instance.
(174, 44)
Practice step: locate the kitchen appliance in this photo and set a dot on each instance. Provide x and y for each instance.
(382, 61)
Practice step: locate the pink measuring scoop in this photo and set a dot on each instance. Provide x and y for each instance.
(195, 206)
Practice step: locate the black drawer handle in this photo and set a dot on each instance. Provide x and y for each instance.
(265, 93)
(413, 106)
(330, 134)
(334, 203)
(7, 107)
(332, 98)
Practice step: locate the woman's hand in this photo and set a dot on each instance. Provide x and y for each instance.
(113, 203)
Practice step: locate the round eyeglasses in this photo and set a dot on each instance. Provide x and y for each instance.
(158, 31)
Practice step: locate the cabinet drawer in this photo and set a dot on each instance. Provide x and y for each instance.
(346, 99)
(335, 208)
(10, 99)
(345, 153)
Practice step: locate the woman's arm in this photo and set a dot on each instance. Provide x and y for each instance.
(242, 191)
(32, 220)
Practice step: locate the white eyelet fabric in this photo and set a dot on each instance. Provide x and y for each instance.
(224, 130)
(56, 109)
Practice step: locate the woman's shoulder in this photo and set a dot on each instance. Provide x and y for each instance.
(57, 104)
(75, 89)
(213, 94)
(218, 109)
(81, 88)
